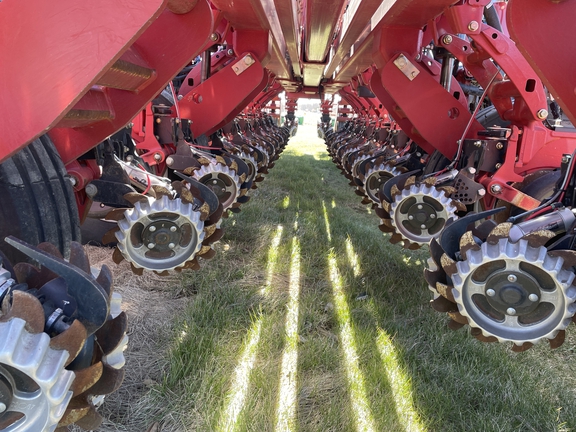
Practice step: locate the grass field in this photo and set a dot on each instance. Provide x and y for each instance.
(308, 319)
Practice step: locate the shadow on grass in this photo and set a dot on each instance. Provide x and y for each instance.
(372, 355)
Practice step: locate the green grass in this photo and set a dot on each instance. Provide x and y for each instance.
(366, 353)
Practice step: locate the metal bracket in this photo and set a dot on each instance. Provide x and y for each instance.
(406, 67)
(244, 63)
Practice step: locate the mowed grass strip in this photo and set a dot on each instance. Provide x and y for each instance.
(308, 319)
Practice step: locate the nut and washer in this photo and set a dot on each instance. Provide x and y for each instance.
(473, 25)
(496, 189)
(447, 39)
(542, 114)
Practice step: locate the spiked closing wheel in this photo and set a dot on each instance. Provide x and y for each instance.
(514, 292)
(51, 367)
(34, 384)
(376, 177)
(223, 181)
(419, 213)
(160, 234)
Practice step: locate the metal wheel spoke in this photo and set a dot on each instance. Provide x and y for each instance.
(512, 321)
(513, 266)
(549, 296)
(474, 288)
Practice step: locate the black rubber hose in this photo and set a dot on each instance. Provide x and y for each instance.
(491, 17)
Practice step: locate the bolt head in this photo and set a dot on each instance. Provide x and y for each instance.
(214, 181)
(447, 40)
(419, 206)
(472, 170)
(473, 25)
(169, 161)
(499, 146)
(482, 192)
(129, 158)
(91, 190)
(432, 216)
(152, 228)
(511, 311)
(542, 114)
(180, 97)
(230, 52)
(423, 226)
(214, 36)
(512, 278)
(533, 297)
(490, 292)
(498, 165)
(2, 407)
(173, 228)
(151, 245)
(496, 189)
(477, 143)
(410, 217)
(248, 60)
(157, 157)
(73, 180)
(171, 245)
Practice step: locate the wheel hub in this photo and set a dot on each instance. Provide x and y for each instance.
(421, 216)
(215, 184)
(512, 293)
(163, 235)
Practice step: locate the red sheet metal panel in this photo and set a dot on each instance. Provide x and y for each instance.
(544, 33)
(167, 45)
(52, 53)
(437, 116)
(258, 15)
(216, 98)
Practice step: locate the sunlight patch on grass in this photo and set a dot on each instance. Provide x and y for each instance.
(333, 203)
(358, 399)
(272, 258)
(326, 221)
(286, 202)
(352, 257)
(399, 383)
(287, 396)
(241, 381)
